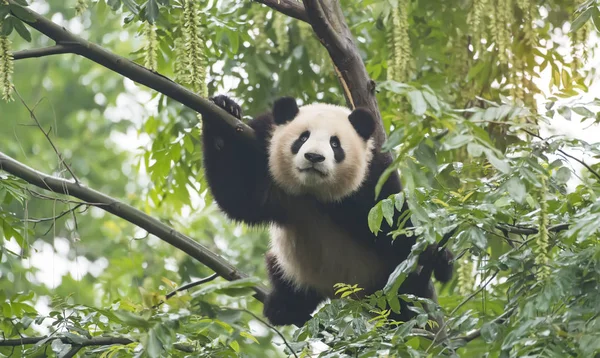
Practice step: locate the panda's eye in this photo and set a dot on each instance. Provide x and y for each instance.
(335, 142)
(304, 136)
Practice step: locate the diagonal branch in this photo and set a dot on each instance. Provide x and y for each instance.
(130, 69)
(329, 24)
(290, 8)
(129, 213)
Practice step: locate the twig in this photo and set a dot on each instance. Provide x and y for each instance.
(274, 329)
(521, 230)
(44, 51)
(131, 214)
(47, 135)
(481, 288)
(290, 8)
(191, 285)
(476, 333)
(187, 287)
(580, 161)
(53, 218)
(132, 70)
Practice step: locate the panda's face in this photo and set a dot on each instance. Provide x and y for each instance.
(319, 152)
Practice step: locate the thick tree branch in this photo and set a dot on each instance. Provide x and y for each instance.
(329, 24)
(290, 8)
(84, 342)
(42, 52)
(129, 213)
(80, 342)
(131, 70)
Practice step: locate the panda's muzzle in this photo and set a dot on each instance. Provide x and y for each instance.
(314, 157)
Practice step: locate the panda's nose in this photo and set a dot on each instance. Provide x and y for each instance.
(314, 157)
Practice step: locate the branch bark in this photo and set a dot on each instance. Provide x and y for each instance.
(130, 69)
(96, 341)
(129, 213)
(43, 52)
(329, 24)
(80, 343)
(287, 7)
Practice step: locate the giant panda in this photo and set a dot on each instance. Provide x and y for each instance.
(312, 180)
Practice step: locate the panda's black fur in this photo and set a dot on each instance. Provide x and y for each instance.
(312, 233)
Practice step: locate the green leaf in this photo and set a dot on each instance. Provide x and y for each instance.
(516, 189)
(417, 102)
(477, 237)
(4, 10)
(132, 319)
(152, 11)
(114, 4)
(489, 332)
(475, 150)
(565, 112)
(387, 208)
(431, 100)
(458, 141)
(582, 111)
(22, 30)
(375, 217)
(581, 19)
(563, 175)
(399, 201)
(131, 5)
(7, 27)
(499, 164)
(426, 156)
(596, 18)
(22, 13)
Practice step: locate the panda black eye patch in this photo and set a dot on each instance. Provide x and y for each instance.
(298, 143)
(338, 152)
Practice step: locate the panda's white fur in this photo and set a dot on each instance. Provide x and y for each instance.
(311, 249)
(335, 180)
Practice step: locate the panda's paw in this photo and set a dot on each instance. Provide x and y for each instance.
(281, 311)
(227, 104)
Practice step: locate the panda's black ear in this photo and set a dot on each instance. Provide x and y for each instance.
(363, 122)
(285, 109)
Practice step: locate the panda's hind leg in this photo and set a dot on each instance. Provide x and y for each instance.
(286, 304)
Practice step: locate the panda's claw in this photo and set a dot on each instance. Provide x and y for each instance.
(228, 105)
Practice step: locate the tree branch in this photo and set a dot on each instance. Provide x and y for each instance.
(80, 342)
(131, 70)
(129, 213)
(42, 52)
(329, 24)
(84, 342)
(287, 7)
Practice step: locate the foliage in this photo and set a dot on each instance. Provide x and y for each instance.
(464, 125)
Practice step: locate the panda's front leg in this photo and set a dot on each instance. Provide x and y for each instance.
(286, 304)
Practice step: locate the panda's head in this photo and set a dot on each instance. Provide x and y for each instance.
(320, 149)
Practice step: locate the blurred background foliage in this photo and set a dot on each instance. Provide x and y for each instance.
(467, 90)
